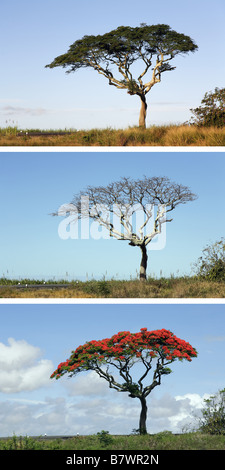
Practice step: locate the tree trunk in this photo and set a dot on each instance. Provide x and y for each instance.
(143, 416)
(144, 260)
(143, 112)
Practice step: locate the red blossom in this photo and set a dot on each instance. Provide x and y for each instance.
(125, 345)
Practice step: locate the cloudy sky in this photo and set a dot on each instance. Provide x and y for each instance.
(33, 185)
(36, 338)
(34, 33)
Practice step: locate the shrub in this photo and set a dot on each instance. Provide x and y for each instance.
(212, 262)
(213, 414)
(104, 438)
(212, 111)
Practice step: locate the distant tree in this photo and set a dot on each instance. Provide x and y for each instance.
(211, 264)
(150, 350)
(212, 109)
(155, 46)
(212, 420)
(114, 206)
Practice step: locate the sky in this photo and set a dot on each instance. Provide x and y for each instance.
(36, 338)
(33, 185)
(34, 33)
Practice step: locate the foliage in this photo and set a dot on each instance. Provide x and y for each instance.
(212, 109)
(213, 414)
(121, 352)
(211, 264)
(123, 349)
(20, 443)
(122, 47)
(104, 438)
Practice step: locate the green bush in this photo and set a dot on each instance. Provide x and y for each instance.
(213, 414)
(104, 438)
(211, 264)
(212, 111)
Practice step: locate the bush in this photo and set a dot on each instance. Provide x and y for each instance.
(212, 111)
(104, 438)
(213, 415)
(212, 264)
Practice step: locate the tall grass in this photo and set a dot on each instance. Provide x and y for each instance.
(170, 135)
(161, 441)
(184, 287)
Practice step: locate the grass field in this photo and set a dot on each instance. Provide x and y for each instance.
(161, 441)
(170, 135)
(184, 287)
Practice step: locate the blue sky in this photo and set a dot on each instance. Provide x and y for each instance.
(33, 185)
(35, 338)
(34, 33)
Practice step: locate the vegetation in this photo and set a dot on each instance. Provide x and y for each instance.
(211, 265)
(125, 209)
(172, 287)
(152, 46)
(168, 135)
(161, 441)
(213, 414)
(212, 109)
(123, 351)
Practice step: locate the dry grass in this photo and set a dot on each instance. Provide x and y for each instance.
(10, 292)
(162, 288)
(170, 135)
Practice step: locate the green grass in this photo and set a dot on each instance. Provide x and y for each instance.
(168, 135)
(161, 441)
(183, 287)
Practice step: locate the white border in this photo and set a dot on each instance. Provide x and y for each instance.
(110, 149)
(104, 301)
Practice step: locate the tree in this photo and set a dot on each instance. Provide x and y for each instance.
(211, 265)
(118, 202)
(213, 414)
(212, 111)
(155, 46)
(152, 350)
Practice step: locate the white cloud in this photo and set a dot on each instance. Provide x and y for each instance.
(87, 384)
(211, 338)
(115, 412)
(21, 368)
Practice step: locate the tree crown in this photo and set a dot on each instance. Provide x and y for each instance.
(125, 43)
(127, 191)
(124, 348)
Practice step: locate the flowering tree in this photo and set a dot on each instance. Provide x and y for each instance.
(153, 350)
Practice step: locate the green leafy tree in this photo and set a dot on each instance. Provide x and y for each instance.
(213, 414)
(212, 109)
(150, 350)
(154, 46)
(211, 264)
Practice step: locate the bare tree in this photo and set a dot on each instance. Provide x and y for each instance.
(119, 206)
